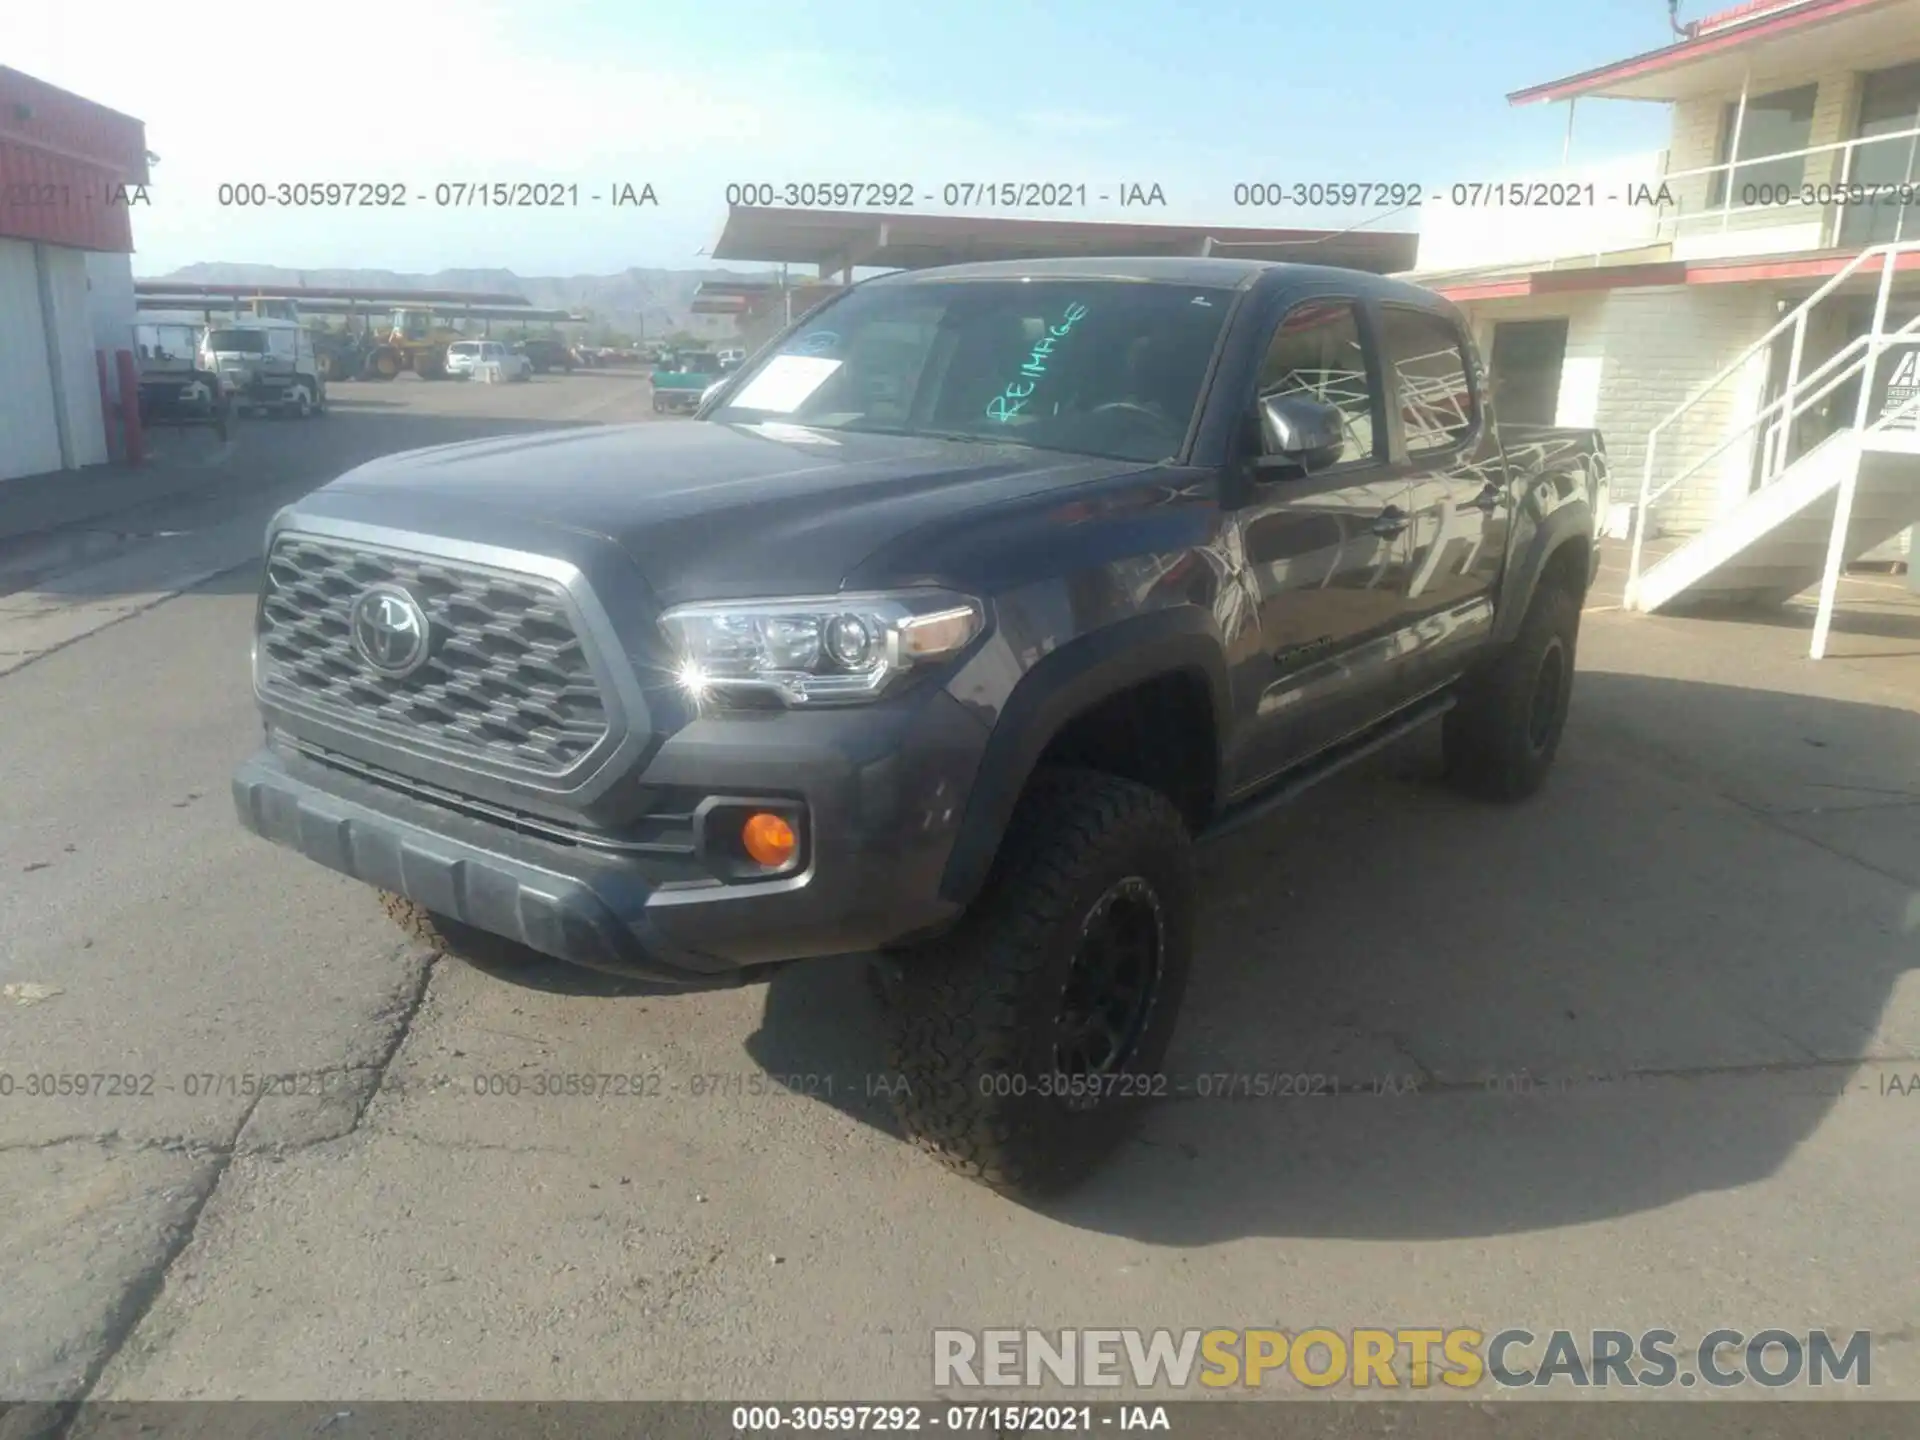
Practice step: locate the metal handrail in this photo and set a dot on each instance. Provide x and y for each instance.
(1729, 167)
(1772, 473)
(1796, 318)
(1734, 436)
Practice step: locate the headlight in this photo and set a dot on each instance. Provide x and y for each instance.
(831, 649)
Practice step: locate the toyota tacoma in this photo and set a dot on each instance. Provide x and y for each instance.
(944, 634)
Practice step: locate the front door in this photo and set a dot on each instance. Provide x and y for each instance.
(1322, 556)
(1528, 356)
(1461, 497)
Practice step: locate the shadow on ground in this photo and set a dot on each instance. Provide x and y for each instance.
(1539, 968)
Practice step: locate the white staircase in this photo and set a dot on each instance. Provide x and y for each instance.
(1808, 517)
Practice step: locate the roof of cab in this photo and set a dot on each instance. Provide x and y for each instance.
(1167, 269)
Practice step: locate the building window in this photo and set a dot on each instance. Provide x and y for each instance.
(1886, 168)
(1774, 124)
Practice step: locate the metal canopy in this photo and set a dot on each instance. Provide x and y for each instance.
(839, 241)
(311, 305)
(317, 293)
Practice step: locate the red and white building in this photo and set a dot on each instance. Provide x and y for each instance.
(69, 177)
(1739, 314)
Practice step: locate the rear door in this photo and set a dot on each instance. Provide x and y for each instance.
(1444, 443)
(1323, 557)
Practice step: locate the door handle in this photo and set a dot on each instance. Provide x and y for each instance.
(1489, 499)
(1389, 522)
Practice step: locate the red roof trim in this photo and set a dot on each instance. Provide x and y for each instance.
(1704, 44)
(63, 160)
(1626, 277)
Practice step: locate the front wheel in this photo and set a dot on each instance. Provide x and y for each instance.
(1029, 1037)
(1500, 740)
(302, 402)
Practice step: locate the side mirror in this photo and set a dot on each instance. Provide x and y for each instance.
(1300, 435)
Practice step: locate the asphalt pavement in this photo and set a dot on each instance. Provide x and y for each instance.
(1619, 1058)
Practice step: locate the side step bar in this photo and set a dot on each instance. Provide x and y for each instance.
(1335, 758)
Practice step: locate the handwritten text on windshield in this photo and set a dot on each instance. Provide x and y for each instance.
(1012, 400)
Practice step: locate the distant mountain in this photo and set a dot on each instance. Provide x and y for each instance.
(654, 302)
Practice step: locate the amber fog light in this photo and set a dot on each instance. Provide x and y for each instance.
(769, 839)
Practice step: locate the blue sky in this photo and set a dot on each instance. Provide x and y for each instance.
(688, 97)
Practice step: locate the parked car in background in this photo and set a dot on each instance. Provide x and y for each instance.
(545, 355)
(463, 356)
(680, 381)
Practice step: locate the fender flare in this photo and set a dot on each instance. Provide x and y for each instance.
(1567, 524)
(1060, 686)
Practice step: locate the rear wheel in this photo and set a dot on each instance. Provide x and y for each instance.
(1501, 738)
(1029, 1037)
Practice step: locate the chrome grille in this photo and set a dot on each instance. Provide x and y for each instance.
(508, 678)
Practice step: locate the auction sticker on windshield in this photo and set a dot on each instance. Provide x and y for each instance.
(786, 382)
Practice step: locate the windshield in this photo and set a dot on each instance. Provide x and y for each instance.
(1097, 367)
(242, 342)
(164, 342)
(463, 347)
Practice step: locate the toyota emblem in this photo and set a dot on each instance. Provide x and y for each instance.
(389, 630)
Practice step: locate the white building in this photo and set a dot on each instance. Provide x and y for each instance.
(1714, 309)
(69, 177)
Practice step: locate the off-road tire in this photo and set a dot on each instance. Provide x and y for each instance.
(450, 937)
(971, 1014)
(1500, 739)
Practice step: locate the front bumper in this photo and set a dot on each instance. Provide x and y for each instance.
(881, 813)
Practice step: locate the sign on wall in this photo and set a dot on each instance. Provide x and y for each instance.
(1902, 386)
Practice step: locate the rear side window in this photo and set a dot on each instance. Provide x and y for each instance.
(1316, 352)
(1432, 383)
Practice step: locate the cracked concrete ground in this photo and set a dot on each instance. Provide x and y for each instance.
(1631, 1056)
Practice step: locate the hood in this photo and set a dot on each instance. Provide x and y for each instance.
(710, 511)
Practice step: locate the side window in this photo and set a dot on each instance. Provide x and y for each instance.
(1317, 352)
(1432, 384)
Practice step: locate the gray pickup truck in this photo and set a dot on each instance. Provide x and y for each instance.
(945, 633)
